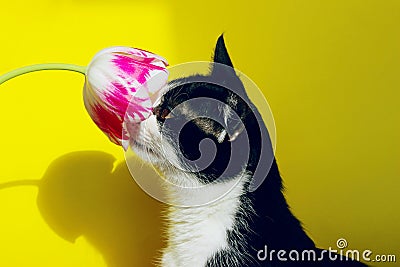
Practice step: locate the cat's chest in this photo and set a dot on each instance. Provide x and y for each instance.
(197, 233)
(193, 243)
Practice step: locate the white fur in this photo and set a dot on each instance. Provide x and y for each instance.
(196, 233)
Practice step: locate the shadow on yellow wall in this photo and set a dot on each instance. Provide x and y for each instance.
(81, 194)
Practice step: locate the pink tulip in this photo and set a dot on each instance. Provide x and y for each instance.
(118, 77)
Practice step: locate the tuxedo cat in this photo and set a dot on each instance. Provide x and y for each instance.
(236, 228)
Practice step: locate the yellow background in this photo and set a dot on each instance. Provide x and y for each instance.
(329, 69)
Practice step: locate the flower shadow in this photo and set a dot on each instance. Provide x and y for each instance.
(82, 194)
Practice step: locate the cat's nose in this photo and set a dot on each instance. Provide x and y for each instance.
(156, 110)
(161, 113)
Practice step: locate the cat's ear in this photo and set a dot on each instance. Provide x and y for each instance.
(221, 53)
(222, 70)
(224, 73)
(222, 67)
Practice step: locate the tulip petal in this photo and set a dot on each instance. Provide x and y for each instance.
(122, 82)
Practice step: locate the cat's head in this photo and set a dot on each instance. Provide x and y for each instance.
(204, 130)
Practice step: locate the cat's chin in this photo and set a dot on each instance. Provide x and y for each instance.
(149, 145)
(145, 140)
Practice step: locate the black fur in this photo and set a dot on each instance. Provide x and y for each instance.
(265, 217)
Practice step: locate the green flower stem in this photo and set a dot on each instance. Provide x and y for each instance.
(39, 67)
